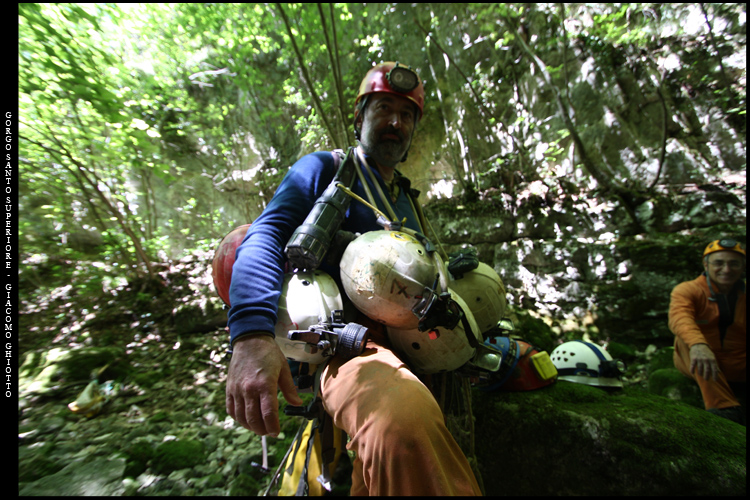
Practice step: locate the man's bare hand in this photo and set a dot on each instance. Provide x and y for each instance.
(703, 361)
(256, 372)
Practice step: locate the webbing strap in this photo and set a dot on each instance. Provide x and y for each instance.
(322, 425)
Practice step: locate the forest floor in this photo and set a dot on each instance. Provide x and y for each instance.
(167, 383)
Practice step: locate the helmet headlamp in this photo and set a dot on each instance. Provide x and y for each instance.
(402, 79)
(729, 244)
(612, 369)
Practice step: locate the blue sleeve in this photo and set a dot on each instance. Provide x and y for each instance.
(258, 271)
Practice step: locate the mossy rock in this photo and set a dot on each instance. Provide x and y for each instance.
(36, 467)
(621, 351)
(177, 454)
(662, 359)
(160, 416)
(672, 384)
(199, 316)
(137, 456)
(211, 481)
(572, 439)
(243, 485)
(41, 370)
(148, 379)
(533, 330)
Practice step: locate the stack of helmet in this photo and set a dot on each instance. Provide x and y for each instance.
(389, 275)
(587, 363)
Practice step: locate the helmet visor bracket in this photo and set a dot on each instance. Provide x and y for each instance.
(402, 79)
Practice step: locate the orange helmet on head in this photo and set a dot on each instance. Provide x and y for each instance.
(393, 78)
(725, 244)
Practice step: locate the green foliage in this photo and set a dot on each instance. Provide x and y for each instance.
(138, 454)
(177, 454)
(149, 130)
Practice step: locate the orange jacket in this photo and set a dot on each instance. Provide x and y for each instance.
(694, 319)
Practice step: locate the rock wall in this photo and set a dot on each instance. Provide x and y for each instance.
(571, 439)
(597, 277)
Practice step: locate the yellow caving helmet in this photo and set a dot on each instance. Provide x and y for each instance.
(484, 293)
(384, 274)
(727, 244)
(438, 349)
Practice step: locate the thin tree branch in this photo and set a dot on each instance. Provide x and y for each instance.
(600, 177)
(561, 7)
(339, 76)
(336, 76)
(482, 107)
(724, 78)
(663, 137)
(307, 80)
(93, 183)
(78, 176)
(480, 102)
(451, 144)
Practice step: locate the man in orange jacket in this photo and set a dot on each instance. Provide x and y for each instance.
(707, 316)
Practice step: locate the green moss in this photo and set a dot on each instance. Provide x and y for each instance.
(42, 369)
(137, 456)
(621, 351)
(37, 467)
(211, 481)
(243, 485)
(177, 454)
(672, 384)
(586, 441)
(157, 417)
(147, 379)
(663, 358)
(534, 331)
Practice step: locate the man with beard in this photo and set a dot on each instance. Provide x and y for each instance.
(395, 425)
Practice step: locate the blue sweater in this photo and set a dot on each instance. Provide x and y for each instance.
(258, 271)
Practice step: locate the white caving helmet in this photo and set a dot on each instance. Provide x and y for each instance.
(484, 293)
(384, 274)
(437, 349)
(587, 363)
(307, 299)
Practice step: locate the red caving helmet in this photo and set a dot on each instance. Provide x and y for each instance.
(224, 260)
(393, 78)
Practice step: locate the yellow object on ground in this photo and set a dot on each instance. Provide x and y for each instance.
(90, 401)
(544, 366)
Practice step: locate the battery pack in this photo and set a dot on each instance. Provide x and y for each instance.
(543, 365)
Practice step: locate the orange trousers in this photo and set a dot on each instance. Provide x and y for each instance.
(396, 428)
(716, 393)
